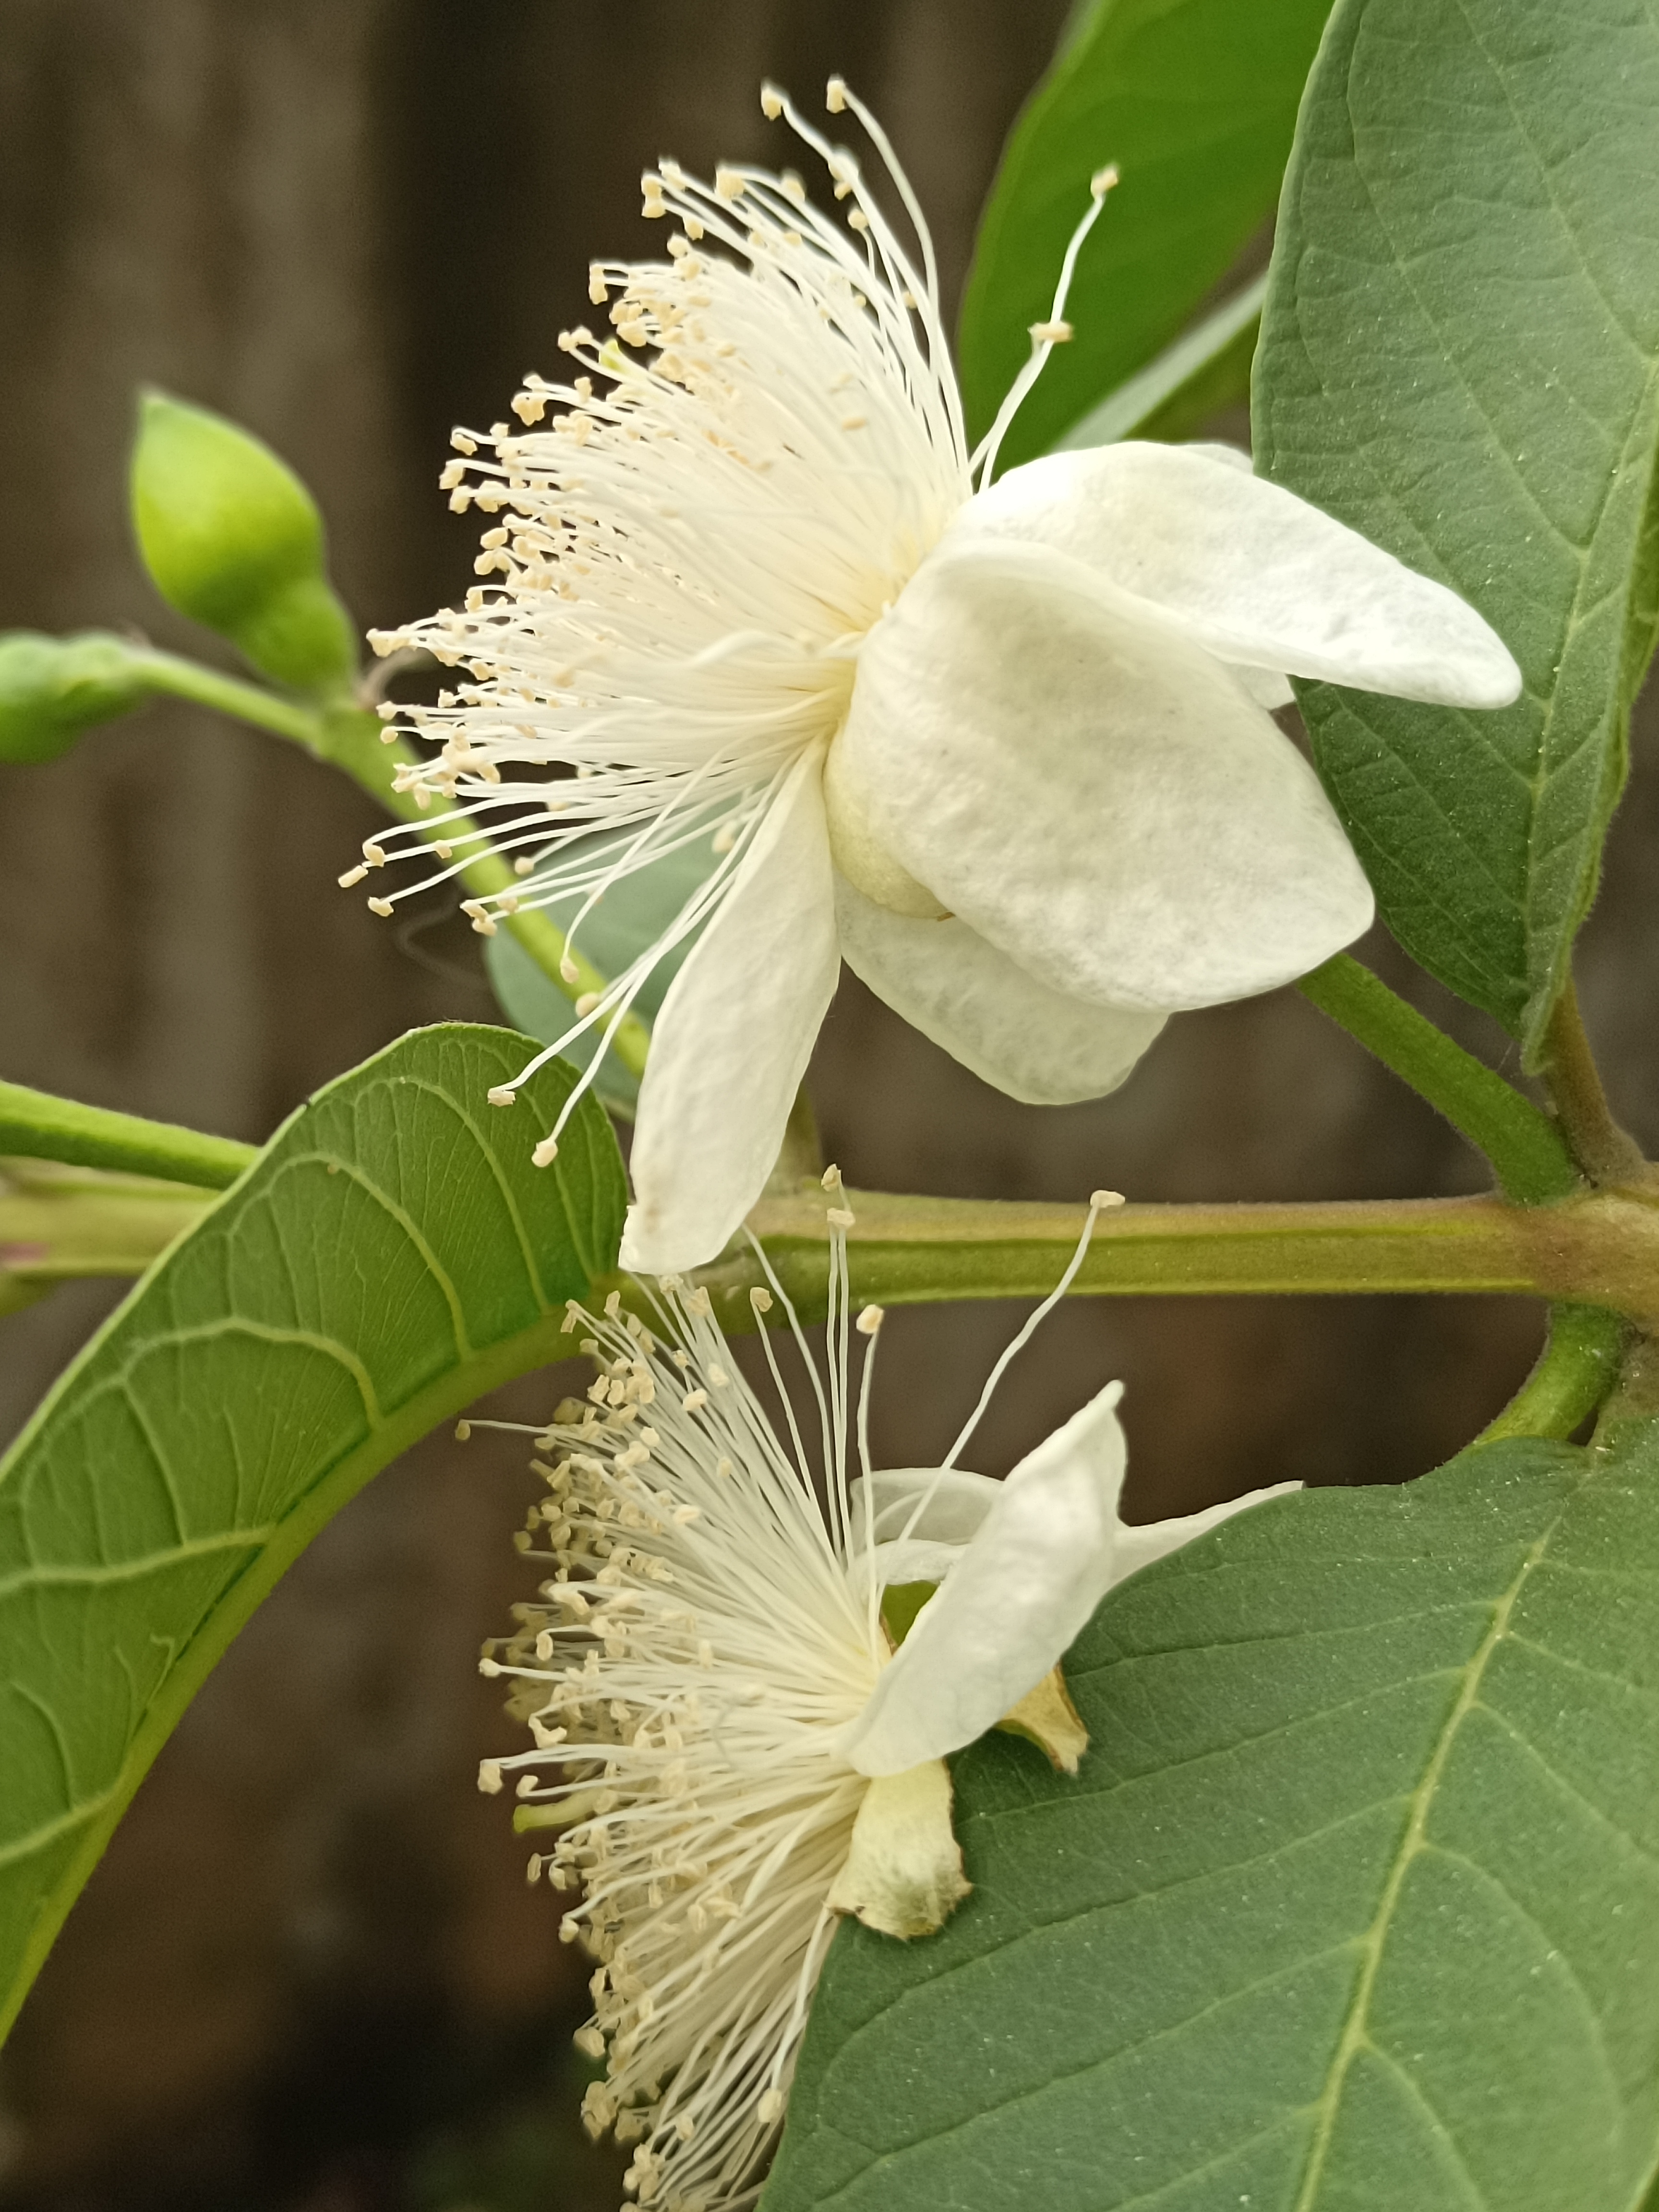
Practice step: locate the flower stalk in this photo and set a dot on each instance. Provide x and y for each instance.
(352, 738)
(1527, 1151)
(1607, 1153)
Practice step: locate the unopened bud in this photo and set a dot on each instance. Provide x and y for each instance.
(232, 538)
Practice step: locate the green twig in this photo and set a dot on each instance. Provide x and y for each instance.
(355, 739)
(248, 702)
(59, 1223)
(1576, 1368)
(35, 1125)
(1596, 1249)
(1604, 1150)
(1529, 1154)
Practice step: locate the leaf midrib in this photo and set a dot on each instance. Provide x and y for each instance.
(1412, 1842)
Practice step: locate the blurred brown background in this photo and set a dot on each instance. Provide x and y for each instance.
(309, 1974)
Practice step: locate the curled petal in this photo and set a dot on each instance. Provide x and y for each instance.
(1253, 572)
(903, 1871)
(1154, 1540)
(733, 1038)
(1080, 784)
(1024, 1563)
(952, 1502)
(953, 985)
(1041, 1561)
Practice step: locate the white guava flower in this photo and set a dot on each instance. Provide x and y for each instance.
(743, 1741)
(1004, 746)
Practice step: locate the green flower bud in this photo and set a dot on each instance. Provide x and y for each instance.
(232, 538)
(51, 689)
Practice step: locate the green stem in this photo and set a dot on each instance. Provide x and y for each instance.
(1604, 1150)
(1576, 1368)
(33, 1125)
(1529, 1154)
(349, 737)
(352, 738)
(1597, 1250)
(248, 702)
(356, 741)
(60, 1223)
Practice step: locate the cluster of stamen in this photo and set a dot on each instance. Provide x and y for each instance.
(702, 1640)
(688, 539)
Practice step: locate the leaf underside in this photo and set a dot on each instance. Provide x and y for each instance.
(391, 1254)
(1195, 101)
(1354, 1907)
(1460, 356)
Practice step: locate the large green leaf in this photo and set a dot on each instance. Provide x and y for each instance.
(1459, 355)
(1195, 101)
(1354, 1907)
(391, 1254)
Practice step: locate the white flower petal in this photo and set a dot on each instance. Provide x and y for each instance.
(1013, 1031)
(1267, 686)
(956, 1502)
(733, 1038)
(1083, 786)
(1041, 1561)
(907, 1559)
(903, 1871)
(1138, 1547)
(1251, 571)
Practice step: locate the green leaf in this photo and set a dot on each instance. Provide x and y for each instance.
(1460, 356)
(392, 1254)
(232, 538)
(1195, 101)
(1208, 369)
(632, 915)
(1353, 1908)
(54, 689)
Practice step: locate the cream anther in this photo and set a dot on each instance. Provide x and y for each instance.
(834, 95)
(870, 1320)
(502, 1094)
(545, 1153)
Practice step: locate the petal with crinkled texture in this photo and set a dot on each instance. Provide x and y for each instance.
(733, 1040)
(1037, 1566)
(1079, 782)
(1254, 572)
(1032, 1041)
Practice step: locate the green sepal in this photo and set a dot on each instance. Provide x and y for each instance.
(232, 538)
